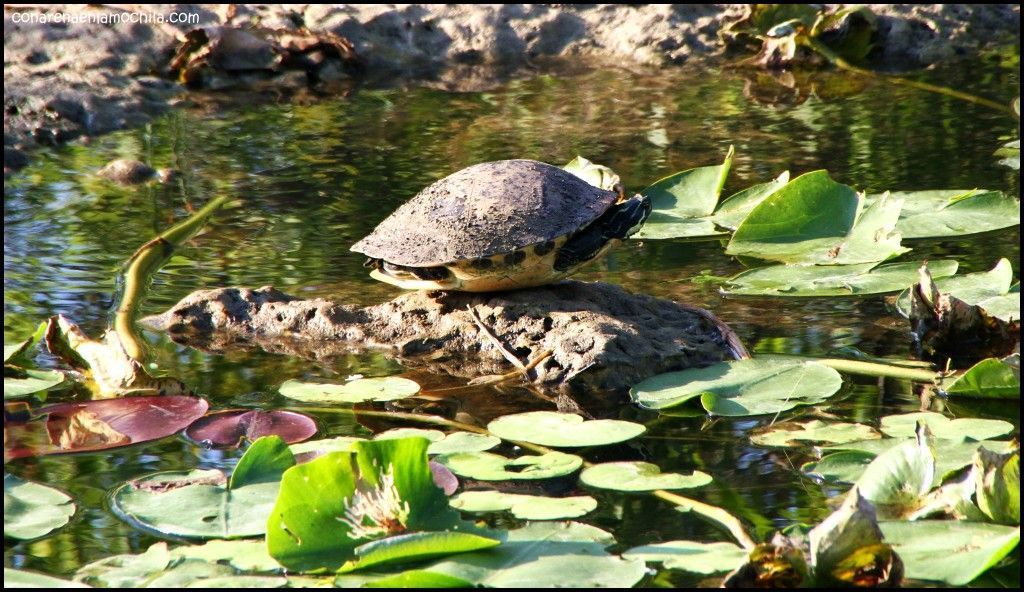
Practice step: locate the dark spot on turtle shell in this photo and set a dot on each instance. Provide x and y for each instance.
(430, 273)
(481, 263)
(544, 248)
(515, 258)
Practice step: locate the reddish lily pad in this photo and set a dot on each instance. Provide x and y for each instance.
(228, 429)
(99, 425)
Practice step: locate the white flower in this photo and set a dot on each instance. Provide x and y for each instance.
(376, 512)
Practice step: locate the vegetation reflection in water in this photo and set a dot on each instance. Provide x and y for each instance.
(315, 177)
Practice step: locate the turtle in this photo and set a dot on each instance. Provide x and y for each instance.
(500, 225)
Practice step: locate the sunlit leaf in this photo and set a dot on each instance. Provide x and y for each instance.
(417, 546)
(990, 378)
(953, 212)
(845, 466)
(525, 507)
(949, 551)
(639, 476)
(847, 548)
(903, 425)
(32, 510)
(441, 443)
(683, 201)
(563, 430)
(741, 387)
(691, 556)
(360, 390)
(27, 381)
(241, 554)
(950, 455)
(734, 209)
(899, 477)
(832, 280)
(992, 290)
(18, 578)
(486, 466)
(597, 175)
(998, 485)
(799, 433)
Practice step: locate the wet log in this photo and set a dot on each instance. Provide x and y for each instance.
(600, 336)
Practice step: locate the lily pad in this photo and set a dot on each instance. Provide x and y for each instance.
(597, 175)
(832, 280)
(943, 428)
(361, 390)
(949, 551)
(639, 476)
(798, 433)
(845, 466)
(19, 578)
(735, 208)
(998, 485)
(311, 449)
(683, 202)
(441, 443)
(741, 387)
(203, 503)
(101, 424)
(417, 546)
(230, 428)
(813, 220)
(691, 556)
(242, 554)
(486, 466)
(900, 477)
(563, 430)
(27, 381)
(993, 291)
(953, 212)
(525, 507)
(32, 510)
(545, 555)
(990, 378)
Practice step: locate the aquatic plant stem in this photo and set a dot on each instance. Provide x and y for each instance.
(862, 368)
(139, 270)
(841, 63)
(712, 513)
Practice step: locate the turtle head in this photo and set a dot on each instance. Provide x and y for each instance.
(627, 217)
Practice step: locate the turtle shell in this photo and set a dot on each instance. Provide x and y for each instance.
(485, 210)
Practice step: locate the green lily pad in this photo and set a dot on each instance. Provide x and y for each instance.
(797, 433)
(998, 485)
(563, 430)
(390, 388)
(545, 555)
(203, 503)
(486, 466)
(441, 443)
(741, 387)
(683, 201)
(525, 507)
(900, 477)
(32, 510)
(813, 220)
(30, 381)
(949, 551)
(832, 280)
(953, 212)
(416, 546)
(413, 578)
(639, 476)
(943, 428)
(691, 556)
(18, 578)
(330, 506)
(325, 445)
(735, 208)
(993, 291)
(597, 175)
(990, 378)
(845, 466)
(242, 554)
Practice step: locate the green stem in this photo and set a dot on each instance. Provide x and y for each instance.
(863, 368)
(841, 63)
(140, 269)
(712, 513)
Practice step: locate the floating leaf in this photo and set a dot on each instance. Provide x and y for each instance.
(813, 220)
(988, 379)
(545, 555)
(741, 387)
(998, 485)
(360, 390)
(126, 571)
(639, 476)
(441, 443)
(949, 551)
(904, 426)
(991, 290)
(21, 382)
(32, 510)
(845, 466)
(953, 212)
(691, 556)
(18, 578)
(950, 455)
(525, 507)
(315, 448)
(232, 427)
(682, 202)
(561, 430)
(413, 578)
(486, 466)
(243, 554)
(597, 175)
(203, 503)
(331, 505)
(796, 433)
(13, 351)
(102, 424)
(735, 208)
(832, 280)
(417, 546)
(898, 479)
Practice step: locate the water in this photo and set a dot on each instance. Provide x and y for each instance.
(315, 175)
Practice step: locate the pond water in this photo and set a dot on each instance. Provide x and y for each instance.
(315, 173)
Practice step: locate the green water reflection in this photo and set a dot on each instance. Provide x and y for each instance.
(314, 176)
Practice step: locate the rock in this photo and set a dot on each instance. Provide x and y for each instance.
(127, 171)
(600, 336)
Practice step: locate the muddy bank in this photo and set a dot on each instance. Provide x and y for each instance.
(72, 80)
(588, 336)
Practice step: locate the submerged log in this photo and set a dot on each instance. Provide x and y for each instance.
(600, 337)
